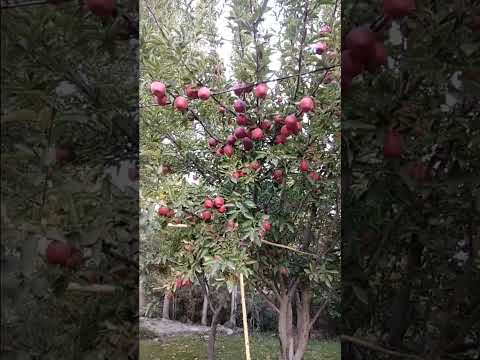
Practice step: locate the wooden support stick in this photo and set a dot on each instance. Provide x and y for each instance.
(244, 315)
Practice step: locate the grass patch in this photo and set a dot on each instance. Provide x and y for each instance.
(264, 347)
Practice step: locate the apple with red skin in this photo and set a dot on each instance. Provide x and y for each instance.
(265, 125)
(240, 133)
(257, 134)
(191, 91)
(278, 175)
(418, 171)
(222, 110)
(208, 204)
(228, 150)
(306, 105)
(278, 120)
(204, 93)
(304, 165)
(186, 283)
(212, 142)
(247, 144)
(350, 66)
(163, 211)
(64, 153)
(179, 283)
(397, 9)
(261, 91)
(291, 122)
(239, 174)
(231, 140)
(266, 225)
(314, 176)
(207, 215)
(161, 100)
(280, 139)
(379, 57)
(256, 165)
(158, 89)
(298, 129)
(285, 132)
(360, 41)
(393, 146)
(219, 202)
(222, 209)
(58, 253)
(181, 104)
(325, 29)
(166, 169)
(239, 106)
(239, 88)
(102, 8)
(320, 47)
(242, 120)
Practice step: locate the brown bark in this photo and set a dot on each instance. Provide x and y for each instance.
(213, 334)
(204, 310)
(166, 307)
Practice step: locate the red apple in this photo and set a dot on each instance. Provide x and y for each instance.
(285, 132)
(239, 88)
(102, 8)
(239, 106)
(314, 176)
(206, 215)
(280, 139)
(204, 93)
(304, 165)
(291, 122)
(265, 125)
(247, 144)
(222, 209)
(64, 153)
(161, 100)
(278, 120)
(242, 120)
(257, 134)
(360, 42)
(266, 225)
(58, 253)
(208, 204)
(158, 89)
(181, 104)
(219, 201)
(261, 91)
(320, 47)
(212, 142)
(231, 139)
(393, 146)
(191, 92)
(306, 105)
(298, 130)
(163, 211)
(350, 66)
(240, 133)
(398, 8)
(256, 165)
(379, 57)
(228, 150)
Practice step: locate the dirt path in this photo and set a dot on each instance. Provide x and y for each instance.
(164, 328)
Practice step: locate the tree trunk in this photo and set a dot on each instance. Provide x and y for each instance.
(166, 307)
(204, 310)
(285, 328)
(213, 334)
(233, 308)
(303, 324)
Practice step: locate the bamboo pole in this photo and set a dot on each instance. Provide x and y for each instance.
(244, 316)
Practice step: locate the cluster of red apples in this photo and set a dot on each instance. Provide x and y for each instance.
(247, 131)
(363, 50)
(209, 205)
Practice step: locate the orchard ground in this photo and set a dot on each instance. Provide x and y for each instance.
(264, 347)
